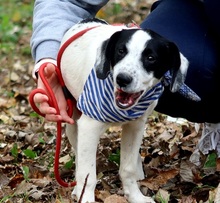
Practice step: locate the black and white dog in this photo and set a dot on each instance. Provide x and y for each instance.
(114, 72)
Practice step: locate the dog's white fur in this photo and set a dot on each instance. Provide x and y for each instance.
(76, 63)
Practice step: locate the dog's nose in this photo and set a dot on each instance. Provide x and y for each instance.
(123, 79)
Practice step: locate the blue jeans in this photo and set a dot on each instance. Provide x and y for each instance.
(195, 28)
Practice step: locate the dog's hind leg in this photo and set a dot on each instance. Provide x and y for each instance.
(89, 132)
(130, 164)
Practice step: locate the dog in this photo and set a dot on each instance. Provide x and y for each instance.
(126, 65)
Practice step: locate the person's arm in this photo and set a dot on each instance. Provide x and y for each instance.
(51, 19)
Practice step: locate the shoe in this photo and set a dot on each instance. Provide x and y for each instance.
(210, 140)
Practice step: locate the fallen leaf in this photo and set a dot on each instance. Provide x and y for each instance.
(218, 164)
(186, 172)
(16, 180)
(4, 180)
(115, 199)
(6, 159)
(162, 196)
(43, 182)
(23, 187)
(14, 76)
(155, 182)
(102, 194)
(188, 199)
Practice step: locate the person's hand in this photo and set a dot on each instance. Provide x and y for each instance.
(42, 100)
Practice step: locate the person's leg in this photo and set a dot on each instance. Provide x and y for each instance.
(185, 23)
(212, 9)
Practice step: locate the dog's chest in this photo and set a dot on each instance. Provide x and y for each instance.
(97, 101)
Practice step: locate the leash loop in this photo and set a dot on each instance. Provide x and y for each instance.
(53, 103)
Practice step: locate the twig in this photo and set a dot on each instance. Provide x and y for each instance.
(83, 190)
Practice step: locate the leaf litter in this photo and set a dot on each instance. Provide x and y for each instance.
(27, 146)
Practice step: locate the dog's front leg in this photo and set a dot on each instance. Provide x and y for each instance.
(130, 165)
(89, 132)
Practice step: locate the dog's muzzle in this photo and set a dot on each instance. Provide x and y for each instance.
(123, 99)
(126, 100)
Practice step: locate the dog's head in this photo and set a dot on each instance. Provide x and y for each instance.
(138, 60)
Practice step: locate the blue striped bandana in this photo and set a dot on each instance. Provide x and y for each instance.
(97, 100)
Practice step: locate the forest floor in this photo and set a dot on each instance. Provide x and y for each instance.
(27, 142)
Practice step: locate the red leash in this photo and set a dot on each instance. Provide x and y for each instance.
(53, 103)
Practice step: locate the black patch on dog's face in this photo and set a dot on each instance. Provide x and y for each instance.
(113, 50)
(118, 43)
(159, 56)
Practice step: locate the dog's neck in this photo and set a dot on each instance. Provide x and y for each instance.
(97, 101)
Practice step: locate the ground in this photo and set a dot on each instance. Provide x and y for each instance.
(28, 143)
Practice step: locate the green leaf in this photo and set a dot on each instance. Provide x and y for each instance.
(69, 164)
(26, 172)
(34, 114)
(29, 153)
(14, 150)
(41, 140)
(115, 157)
(117, 9)
(210, 160)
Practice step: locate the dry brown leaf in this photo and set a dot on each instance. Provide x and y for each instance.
(23, 187)
(154, 183)
(218, 164)
(188, 199)
(7, 159)
(43, 182)
(165, 136)
(115, 199)
(102, 194)
(190, 136)
(186, 172)
(4, 180)
(4, 118)
(115, 129)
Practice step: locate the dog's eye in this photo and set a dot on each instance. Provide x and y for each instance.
(151, 58)
(121, 51)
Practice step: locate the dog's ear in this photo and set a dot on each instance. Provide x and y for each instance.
(179, 67)
(104, 56)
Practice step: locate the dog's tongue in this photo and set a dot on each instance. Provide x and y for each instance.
(124, 99)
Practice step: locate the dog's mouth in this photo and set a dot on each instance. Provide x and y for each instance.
(125, 100)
